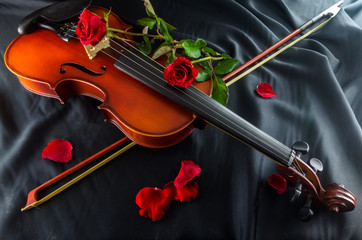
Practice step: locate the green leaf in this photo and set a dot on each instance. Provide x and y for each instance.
(149, 22)
(170, 58)
(204, 75)
(161, 51)
(220, 91)
(209, 50)
(145, 47)
(149, 9)
(178, 45)
(225, 56)
(201, 43)
(106, 17)
(205, 64)
(170, 27)
(225, 66)
(164, 30)
(193, 48)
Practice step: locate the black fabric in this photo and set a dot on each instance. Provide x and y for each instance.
(317, 83)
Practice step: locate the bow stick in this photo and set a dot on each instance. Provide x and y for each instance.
(330, 13)
(33, 196)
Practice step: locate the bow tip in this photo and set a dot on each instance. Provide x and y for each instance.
(28, 207)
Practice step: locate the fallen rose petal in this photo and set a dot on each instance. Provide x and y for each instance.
(153, 202)
(58, 150)
(188, 171)
(170, 189)
(265, 90)
(277, 182)
(187, 192)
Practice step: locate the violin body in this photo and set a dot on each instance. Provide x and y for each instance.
(42, 61)
(52, 67)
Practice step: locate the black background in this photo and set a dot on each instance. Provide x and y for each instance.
(317, 82)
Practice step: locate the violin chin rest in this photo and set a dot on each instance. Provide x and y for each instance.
(52, 14)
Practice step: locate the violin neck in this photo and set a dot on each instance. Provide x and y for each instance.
(150, 73)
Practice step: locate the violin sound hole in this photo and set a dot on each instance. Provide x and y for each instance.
(62, 70)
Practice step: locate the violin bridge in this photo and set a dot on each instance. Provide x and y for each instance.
(93, 50)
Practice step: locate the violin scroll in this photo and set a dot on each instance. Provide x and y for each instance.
(335, 198)
(338, 199)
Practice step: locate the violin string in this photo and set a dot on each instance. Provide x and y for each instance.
(130, 45)
(274, 141)
(297, 166)
(294, 163)
(280, 145)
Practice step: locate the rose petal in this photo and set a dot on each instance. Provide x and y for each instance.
(86, 14)
(187, 192)
(99, 30)
(170, 189)
(265, 90)
(58, 150)
(188, 171)
(153, 202)
(277, 182)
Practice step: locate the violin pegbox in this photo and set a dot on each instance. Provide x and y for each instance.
(304, 177)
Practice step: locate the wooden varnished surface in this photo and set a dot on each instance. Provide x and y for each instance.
(143, 115)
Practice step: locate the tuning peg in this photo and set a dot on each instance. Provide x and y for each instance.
(300, 148)
(297, 192)
(316, 164)
(306, 213)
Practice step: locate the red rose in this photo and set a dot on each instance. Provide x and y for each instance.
(180, 72)
(91, 28)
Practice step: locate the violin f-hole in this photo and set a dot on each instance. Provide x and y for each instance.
(81, 68)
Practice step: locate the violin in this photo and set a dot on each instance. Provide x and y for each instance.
(136, 98)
